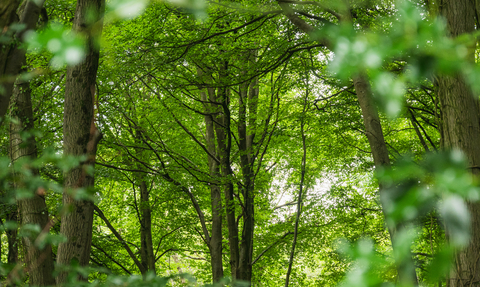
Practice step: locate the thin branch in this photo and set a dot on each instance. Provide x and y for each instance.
(164, 252)
(119, 237)
(111, 258)
(161, 238)
(271, 245)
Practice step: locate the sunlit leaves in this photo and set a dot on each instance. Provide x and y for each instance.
(195, 7)
(440, 180)
(457, 220)
(68, 47)
(367, 264)
(412, 38)
(126, 9)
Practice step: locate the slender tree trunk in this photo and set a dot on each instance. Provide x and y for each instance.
(224, 143)
(373, 129)
(80, 138)
(39, 262)
(215, 246)
(222, 130)
(248, 98)
(146, 252)
(300, 190)
(146, 244)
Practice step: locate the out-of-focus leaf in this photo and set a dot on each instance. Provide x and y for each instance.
(47, 238)
(457, 220)
(66, 46)
(126, 9)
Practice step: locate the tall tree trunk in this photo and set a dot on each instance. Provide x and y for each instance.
(146, 244)
(222, 130)
(224, 144)
(248, 98)
(301, 188)
(461, 130)
(215, 245)
(39, 262)
(80, 137)
(373, 129)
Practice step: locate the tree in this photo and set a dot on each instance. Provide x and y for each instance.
(461, 130)
(32, 208)
(81, 137)
(12, 55)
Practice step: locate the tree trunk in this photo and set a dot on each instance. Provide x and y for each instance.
(248, 98)
(12, 57)
(373, 129)
(215, 245)
(222, 130)
(301, 188)
(146, 249)
(224, 144)
(461, 130)
(39, 263)
(146, 244)
(80, 138)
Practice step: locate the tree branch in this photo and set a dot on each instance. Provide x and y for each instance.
(119, 237)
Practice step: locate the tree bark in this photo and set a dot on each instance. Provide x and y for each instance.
(224, 143)
(248, 98)
(461, 130)
(215, 245)
(147, 255)
(12, 57)
(80, 138)
(146, 248)
(39, 262)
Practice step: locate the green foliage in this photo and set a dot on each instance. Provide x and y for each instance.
(148, 84)
(413, 38)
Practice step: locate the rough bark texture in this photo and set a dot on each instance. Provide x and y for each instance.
(12, 58)
(461, 130)
(39, 262)
(8, 16)
(8, 9)
(80, 137)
